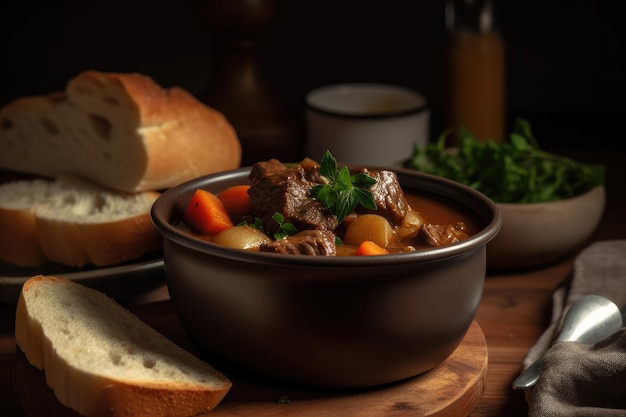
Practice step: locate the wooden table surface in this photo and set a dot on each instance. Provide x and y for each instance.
(514, 311)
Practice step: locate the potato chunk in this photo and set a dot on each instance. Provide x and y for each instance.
(242, 237)
(370, 227)
(410, 226)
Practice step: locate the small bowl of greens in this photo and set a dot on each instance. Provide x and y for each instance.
(550, 204)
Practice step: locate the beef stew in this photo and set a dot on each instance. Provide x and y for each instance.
(293, 220)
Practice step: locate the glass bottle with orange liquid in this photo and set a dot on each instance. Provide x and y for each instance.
(476, 81)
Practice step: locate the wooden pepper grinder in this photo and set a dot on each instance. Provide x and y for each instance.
(237, 87)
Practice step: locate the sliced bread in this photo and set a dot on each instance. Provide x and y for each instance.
(119, 130)
(19, 243)
(101, 360)
(74, 222)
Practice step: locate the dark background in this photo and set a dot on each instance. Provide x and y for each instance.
(566, 60)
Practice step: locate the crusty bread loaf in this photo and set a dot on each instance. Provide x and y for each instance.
(119, 130)
(74, 222)
(102, 360)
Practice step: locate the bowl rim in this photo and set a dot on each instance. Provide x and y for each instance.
(485, 208)
(314, 101)
(599, 189)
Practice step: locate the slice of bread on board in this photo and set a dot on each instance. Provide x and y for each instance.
(74, 222)
(122, 131)
(101, 360)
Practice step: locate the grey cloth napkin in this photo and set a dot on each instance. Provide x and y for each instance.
(580, 380)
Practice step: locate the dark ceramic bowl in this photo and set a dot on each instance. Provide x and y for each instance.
(348, 321)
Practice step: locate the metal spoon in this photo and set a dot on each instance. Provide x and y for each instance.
(589, 319)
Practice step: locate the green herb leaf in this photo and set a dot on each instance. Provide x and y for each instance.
(517, 171)
(344, 191)
(365, 198)
(283, 399)
(362, 180)
(284, 229)
(258, 223)
(328, 166)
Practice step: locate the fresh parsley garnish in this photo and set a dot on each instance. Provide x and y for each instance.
(284, 229)
(344, 191)
(258, 223)
(517, 171)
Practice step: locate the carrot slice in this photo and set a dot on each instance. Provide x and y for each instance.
(369, 248)
(236, 200)
(206, 214)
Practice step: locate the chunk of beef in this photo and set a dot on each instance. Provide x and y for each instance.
(288, 191)
(307, 242)
(265, 169)
(312, 171)
(443, 234)
(388, 196)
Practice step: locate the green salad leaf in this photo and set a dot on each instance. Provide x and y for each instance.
(517, 171)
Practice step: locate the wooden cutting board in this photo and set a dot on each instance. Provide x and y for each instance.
(452, 389)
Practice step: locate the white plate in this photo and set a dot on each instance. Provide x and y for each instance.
(119, 282)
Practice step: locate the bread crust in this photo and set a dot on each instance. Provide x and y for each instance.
(112, 243)
(19, 244)
(121, 130)
(93, 394)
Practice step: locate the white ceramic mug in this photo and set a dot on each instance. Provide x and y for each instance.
(370, 124)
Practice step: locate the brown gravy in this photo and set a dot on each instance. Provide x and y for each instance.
(433, 209)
